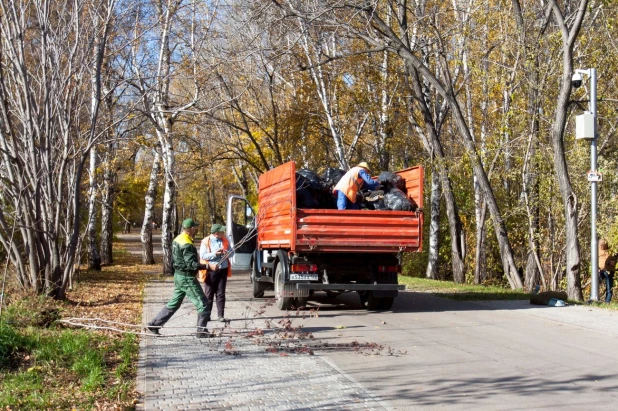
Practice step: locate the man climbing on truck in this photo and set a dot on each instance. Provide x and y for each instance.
(352, 181)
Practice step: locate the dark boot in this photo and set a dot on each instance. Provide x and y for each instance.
(202, 321)
(164, 315)
(221, 318)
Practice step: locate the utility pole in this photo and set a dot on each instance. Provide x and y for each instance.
(587, 128)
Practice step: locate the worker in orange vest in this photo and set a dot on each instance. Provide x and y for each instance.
(215, 252)
(607, 267)
(352, 181)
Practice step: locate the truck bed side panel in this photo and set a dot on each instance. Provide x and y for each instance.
(415, 176)
(277, 212)
(281, 225)
(357, 231)
(414, 183)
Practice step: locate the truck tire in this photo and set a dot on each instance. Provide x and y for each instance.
(363, 298)
(301, 302)
(283, 303)
(379, 303)
(386, 303)
(258, 286)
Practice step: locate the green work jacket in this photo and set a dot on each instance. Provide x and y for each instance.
(184, 255)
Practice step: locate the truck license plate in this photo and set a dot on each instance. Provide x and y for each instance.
(308, 277)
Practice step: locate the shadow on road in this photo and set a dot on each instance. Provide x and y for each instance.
(466, 393)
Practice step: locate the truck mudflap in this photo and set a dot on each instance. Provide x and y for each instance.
(350, 287)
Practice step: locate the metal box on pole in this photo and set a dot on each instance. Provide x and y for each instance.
(584, 126)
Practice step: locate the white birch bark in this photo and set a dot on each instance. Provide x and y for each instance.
(150, 199)
(434, 225)
(94, 259)
(43, 79)
(154, 88)
(107, 207)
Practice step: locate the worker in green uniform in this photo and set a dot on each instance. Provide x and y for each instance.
(186, 263)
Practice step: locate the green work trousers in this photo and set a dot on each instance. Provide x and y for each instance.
(189, 286)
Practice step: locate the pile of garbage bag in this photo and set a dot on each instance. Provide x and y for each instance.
(315, 191)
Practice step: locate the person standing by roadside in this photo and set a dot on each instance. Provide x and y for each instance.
(186, 266)
(349, 185)
(215, 252)
(607, 266)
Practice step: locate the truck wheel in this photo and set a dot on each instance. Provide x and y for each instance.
(283, 303)
(363, 298)
(386, 303)
(379, 303)
(258, 287)
(301, 302)
(372, 302)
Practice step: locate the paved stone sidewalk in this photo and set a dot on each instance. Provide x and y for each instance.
(232, 370)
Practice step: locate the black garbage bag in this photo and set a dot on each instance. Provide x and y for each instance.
(315, 181)
(391, 180)
(328, 200)
(397, 200)
(306, 199)
(372, 200)
(366, 205)
(373, 195)
(301, 182)
(379, 204)
(315, 193)
(305, 196)
(331, 176)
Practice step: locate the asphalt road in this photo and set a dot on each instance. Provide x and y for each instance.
(447, 355)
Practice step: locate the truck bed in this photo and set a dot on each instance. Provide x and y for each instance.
(283, 226)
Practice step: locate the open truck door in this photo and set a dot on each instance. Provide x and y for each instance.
(241, 231)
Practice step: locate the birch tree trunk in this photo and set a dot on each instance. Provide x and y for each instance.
(434, 225)
(108, 189)
(94, 259)
(480, 208)
(479, 204)
(45, 134)
(154, 86)
(107, 207)
(150, 198)
(169, 205)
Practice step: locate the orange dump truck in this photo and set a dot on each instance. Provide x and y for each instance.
(298, 251)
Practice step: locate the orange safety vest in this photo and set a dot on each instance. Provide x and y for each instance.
(201, 274)
(350, 183)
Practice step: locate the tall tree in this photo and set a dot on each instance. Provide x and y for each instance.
(164, 100)
(150, 198)
(569, 34)
(43, 78)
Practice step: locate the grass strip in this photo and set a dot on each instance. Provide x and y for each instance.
(461, 292)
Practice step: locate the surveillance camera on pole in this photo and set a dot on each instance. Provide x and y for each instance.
(577, 79)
